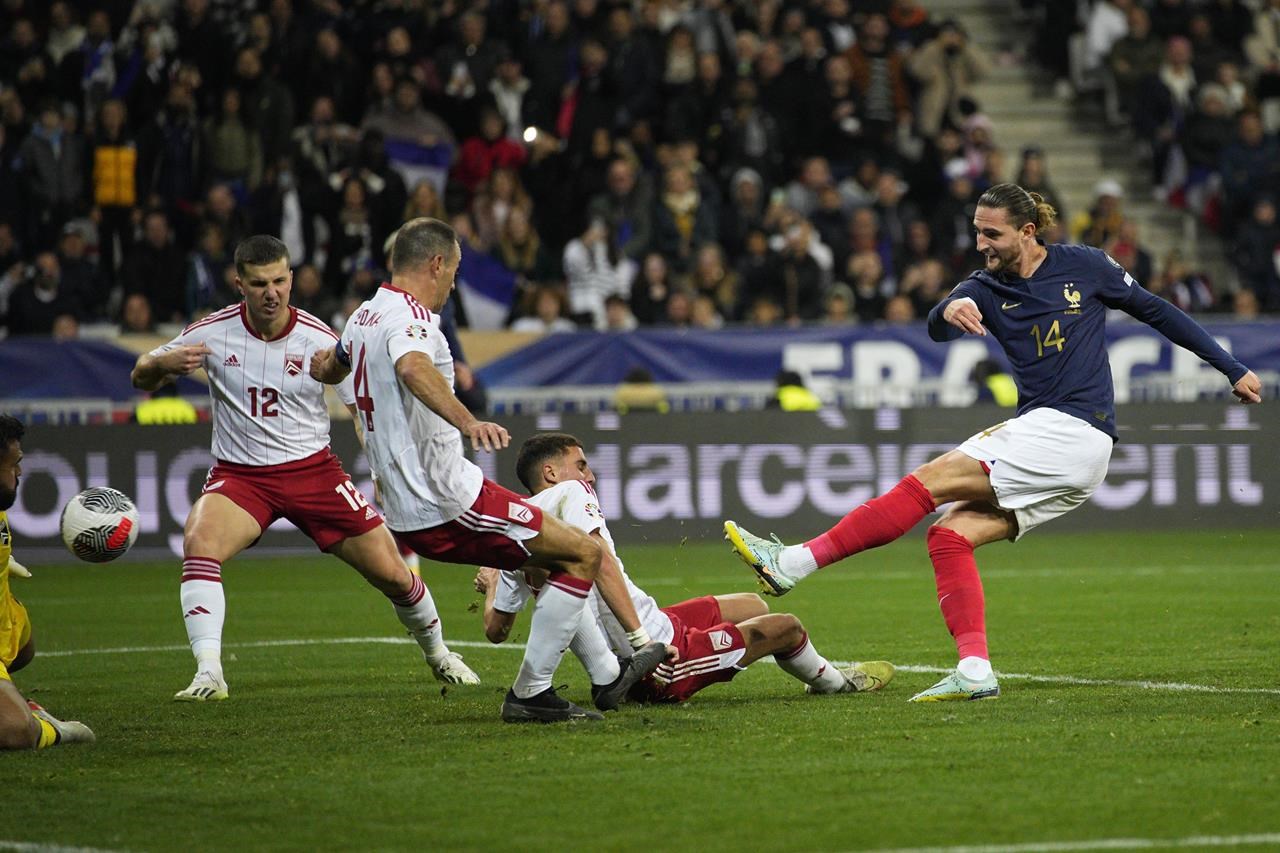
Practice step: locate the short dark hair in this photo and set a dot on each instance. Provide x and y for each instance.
(537, 450)
(419, 240)
(11, 430)
(258, 250)
(1021, 206)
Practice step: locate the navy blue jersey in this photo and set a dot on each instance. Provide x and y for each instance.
(1051, 328)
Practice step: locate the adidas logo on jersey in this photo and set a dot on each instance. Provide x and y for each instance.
(370, 513)
(231, 361)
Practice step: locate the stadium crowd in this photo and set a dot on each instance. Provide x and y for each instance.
(607, 164)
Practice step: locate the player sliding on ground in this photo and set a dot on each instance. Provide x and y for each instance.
(23, 724)
(271, 446)
(1046, 307)
(714, 637)
(437, 501)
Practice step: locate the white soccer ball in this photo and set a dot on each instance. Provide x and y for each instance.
(99, 524)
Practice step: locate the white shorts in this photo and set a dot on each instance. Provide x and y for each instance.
(1042, 464)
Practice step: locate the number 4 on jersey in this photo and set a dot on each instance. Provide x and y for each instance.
(364, 403)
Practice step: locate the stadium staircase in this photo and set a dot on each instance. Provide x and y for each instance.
(1080, 147)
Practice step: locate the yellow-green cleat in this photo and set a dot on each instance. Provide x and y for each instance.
(956, 688)
(762, 556)
(863, 677)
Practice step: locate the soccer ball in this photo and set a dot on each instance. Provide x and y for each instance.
(99, 524)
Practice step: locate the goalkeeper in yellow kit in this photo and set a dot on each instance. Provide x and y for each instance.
(23, 724)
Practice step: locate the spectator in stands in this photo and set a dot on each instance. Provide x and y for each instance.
(232, 147)
(549, 56)
(865, 274)
(799, 286)
(1133, 57)
(545, 311)
(1107, 24)
(1127, 250)
(917, 246)
(1206, 51)
(488, 150)
(416, 135)
(155, 269)
(207, 285)
(633, 66)
(779, 97)
(838, 133)
(651, 290)
(952, 219)
(593, 269)
(1263, 50)
(626, 206)
(1231, 22)
(1244, 305)
(679, 309)
(753, 136)
(522, 251)
(899, 309)
(222, 209)
(333, 74)
(268, 106)
(1033, 176)
(1191, 291)
(703, 313)
(681, 219)
(115, 186)
(169, 155)
(838, 305)
(24, 63)
(1163, 104)
(353, 235)
(881, 80)
(1101, 221)
(424, 200)
(617, 315)
(714, 278)
(892, 207)
(698, 110)
(501, 194)
(41, 298)
(1248, 166)
(1207, 133)
(925, 284)
(51, 161)
(946, 67)
(831, 223)
(81, 277)
(468, 62)
(802, 192)
(1255, 252)
(135, 316)
(309, 293)
(507, 91)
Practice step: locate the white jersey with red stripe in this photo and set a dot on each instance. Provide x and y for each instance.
(416, 455)
(575, 503)
(267, 410)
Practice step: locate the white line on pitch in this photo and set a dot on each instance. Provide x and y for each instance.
(32, 847)
(1102, 844)
(476, 644)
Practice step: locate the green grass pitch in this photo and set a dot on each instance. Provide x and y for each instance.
(331, 745)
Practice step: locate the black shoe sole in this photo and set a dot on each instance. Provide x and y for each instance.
(641, 664)
(520, 713)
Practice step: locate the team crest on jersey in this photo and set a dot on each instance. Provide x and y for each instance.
(418, 333)
(293, 364)
(720, 640)
(519, 512)
(1072, 297)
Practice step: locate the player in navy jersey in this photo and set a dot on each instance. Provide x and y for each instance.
(1046, 307)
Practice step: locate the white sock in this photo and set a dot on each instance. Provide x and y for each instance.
(797, 561)
(589, 646)
(417, 612)
(204, 607)
(974, 668)
(556, 618)
(804, 663)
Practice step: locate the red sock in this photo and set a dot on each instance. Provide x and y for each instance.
(959, 591)
(877, 522)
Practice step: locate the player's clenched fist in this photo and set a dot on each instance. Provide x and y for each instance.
(322, 364)
(487, 436)
(184, 360)
(963, 313)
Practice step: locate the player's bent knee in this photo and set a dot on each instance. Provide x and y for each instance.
(15, 732)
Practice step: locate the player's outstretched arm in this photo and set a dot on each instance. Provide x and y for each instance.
(1248, 388)
(326, 367)
(613, 589)
(426, 383)
(154, 369)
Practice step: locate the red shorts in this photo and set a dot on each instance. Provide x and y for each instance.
(709, 652)
(491, 533)
(313, 493)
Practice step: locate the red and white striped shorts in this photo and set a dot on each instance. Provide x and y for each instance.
(490, 533)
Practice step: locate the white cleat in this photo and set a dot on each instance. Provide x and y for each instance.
(451, 670)
(69, 731)
(205, 687)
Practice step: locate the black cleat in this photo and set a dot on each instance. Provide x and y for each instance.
(545, 707)
(608, 696)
